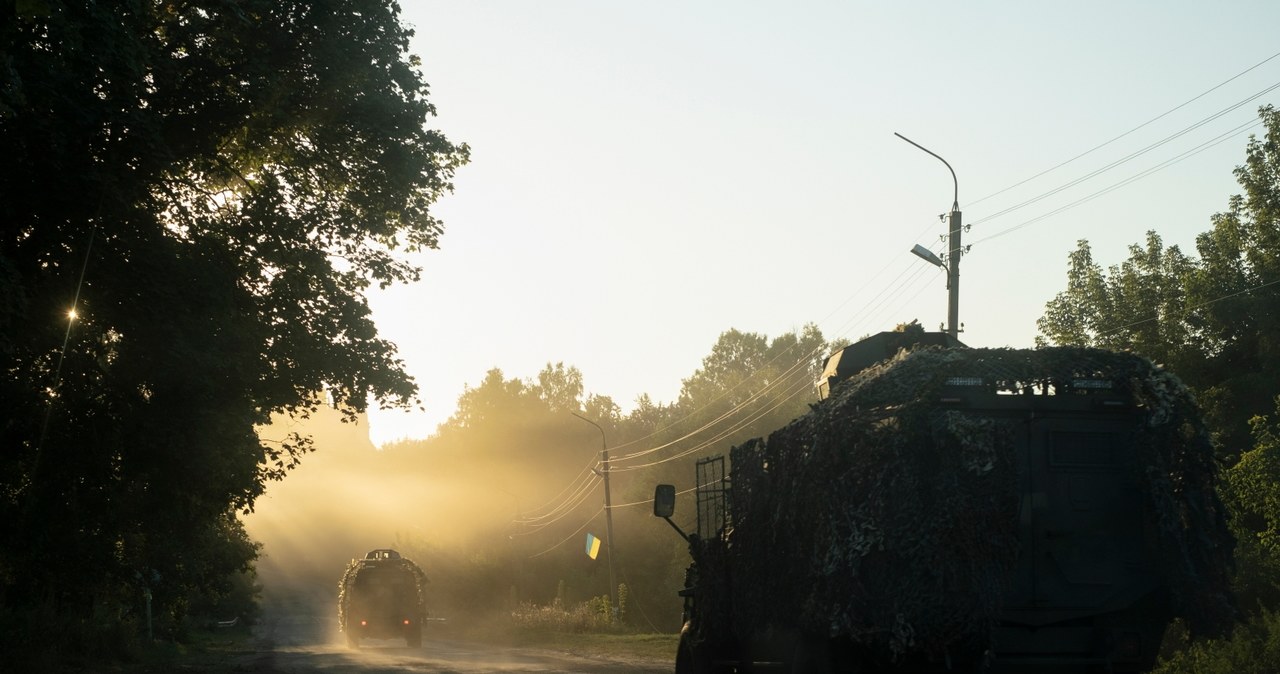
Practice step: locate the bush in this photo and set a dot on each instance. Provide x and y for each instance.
(41, 638)
(1253, 647)
(593, 615)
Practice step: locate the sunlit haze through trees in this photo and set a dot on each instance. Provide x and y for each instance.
(496, 504)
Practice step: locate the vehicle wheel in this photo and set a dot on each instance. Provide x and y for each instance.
(691, 659)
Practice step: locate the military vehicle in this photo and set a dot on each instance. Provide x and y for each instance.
(943, 508)
(382, 597)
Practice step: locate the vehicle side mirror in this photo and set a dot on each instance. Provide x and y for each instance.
(664, 500)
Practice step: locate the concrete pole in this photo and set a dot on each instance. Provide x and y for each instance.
(953, 272)
(608, 514)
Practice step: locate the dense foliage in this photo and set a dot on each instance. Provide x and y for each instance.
(1215, 320)
(210, 185)
(1212, 319)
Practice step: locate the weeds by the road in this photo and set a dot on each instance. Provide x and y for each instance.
(630, 647)
(594, 615)
(586, 630)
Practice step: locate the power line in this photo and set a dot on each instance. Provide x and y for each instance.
(1191, 308)
(566, 538)
(568, 508)
(1113, 187)
(1127, 158)
(1131, 179)
(725, 433)
(650, 500)
(884, 299)
(582, 482)
(781, 381)
(1126, 133)
(726, 415)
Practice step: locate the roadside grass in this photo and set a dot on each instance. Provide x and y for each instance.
(615, 642)
(203, 651)
(648, 646)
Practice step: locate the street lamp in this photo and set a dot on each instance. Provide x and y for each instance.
(928, 256)
(952, 265)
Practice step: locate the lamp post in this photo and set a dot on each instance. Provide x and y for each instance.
(952, 265)
(608, 512)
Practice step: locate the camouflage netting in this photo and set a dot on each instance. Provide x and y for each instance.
(354, 568)
(882, 517)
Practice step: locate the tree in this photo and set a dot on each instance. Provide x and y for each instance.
(494, 402)
(217, 183)
(1252, 493)
(741, 364)
(1138, 305)
(560, 387)
(1215, 319)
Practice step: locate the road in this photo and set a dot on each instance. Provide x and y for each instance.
(294, 638)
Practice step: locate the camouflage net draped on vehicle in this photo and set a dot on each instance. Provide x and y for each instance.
(354, 568)
(909, 511)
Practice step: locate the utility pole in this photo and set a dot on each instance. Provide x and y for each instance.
(608, 513)
(955, 250)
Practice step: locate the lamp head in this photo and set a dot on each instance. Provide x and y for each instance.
(928, 256)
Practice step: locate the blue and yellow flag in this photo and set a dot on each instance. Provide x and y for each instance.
(593, 546)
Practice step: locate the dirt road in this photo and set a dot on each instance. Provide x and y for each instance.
(294, 637)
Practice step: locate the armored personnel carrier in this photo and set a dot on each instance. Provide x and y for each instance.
(382, 597)
(943, 508)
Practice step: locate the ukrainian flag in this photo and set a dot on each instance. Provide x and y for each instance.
(593, 546)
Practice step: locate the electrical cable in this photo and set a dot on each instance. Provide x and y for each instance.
(804, 386)
(584, 471)
(1126, 158)
(650, 500)
(1193, 307)
(1131, 179)
(898, 288)
(1126, 133)
(582, 482)
(566, 538)
(567, 510)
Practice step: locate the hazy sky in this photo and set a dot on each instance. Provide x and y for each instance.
(646, 175)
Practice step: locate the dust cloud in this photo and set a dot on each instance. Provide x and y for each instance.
(450, 509)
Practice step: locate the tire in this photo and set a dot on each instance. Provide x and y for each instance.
(687, 660)
(693, 659)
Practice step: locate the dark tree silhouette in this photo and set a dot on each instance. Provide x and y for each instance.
(213, 184)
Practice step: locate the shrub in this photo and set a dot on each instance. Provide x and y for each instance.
(593, 615)
(1252, 648)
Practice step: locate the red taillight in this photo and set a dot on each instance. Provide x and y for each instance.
(406, 621)
(364, 623)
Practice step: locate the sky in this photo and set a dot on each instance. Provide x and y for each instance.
(648, 175)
